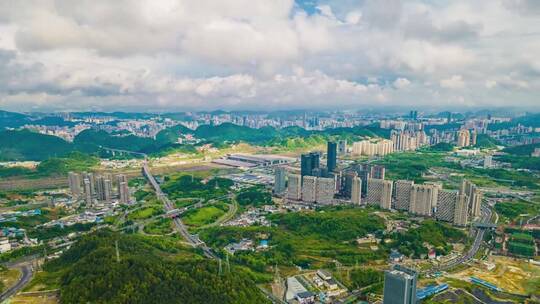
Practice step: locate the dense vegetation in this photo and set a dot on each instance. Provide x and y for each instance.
(521, 162)
(150, 270)
(26, 145)
(522, 244)
(521, 150)
(305, 239)
(361, 278)
(56, 166)
(412, 166)
(185, 186)
(484, 141)
(438, 235)
(510, 211)
(254, 196)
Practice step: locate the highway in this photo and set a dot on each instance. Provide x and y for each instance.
(169, 206)
(26, 275)
(485, 218)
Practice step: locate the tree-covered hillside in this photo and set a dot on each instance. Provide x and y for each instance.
(26, 145)
(150, 270)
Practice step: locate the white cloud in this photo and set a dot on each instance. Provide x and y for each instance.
(454, 82)
(267, 54)
(401, 83)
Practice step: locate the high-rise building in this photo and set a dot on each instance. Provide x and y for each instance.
(309, 187)
(347, 182)
(356, 191)
(461, 211)
(331, 156)
(123, 189)
(474, 136)
(88, 198)
(423, 199)
(74, 181)
(104, 188)
(294, 187)
(488, 161)
(474, 195)
(369, 148)
(403, 194)
(379, 192)
(92, 181)
(476, 202)
(279, 180)
(326, 189)
(377, 172)
(400, 286)
(446, 205)
(309, 162)
(464, 138)
(342, 147)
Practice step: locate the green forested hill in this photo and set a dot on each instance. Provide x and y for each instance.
(150, 270)
(26, 145)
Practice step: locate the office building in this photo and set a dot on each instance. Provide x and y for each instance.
(74, 181)
(309, 187)
(423, 199)
(279, 180)
(461, 211)
(331, 156)
(403, 194)
(400, 286)
(356, 191)
(446, 205)
(294, 187)
(326, 189)
(309, 162)
(342, 147)
(379, 192)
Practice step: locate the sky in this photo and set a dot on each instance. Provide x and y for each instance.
(158, 55)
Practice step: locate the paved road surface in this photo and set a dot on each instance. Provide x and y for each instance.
(26, 275)
(179, 225)
(485, 218)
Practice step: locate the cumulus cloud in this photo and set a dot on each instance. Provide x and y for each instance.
(454, 82)
(205, 54)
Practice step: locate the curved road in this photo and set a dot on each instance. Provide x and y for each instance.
(485, 218)
(26, 275)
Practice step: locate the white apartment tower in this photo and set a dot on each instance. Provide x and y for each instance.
(379, 192)
(294, 189)
(356, 192)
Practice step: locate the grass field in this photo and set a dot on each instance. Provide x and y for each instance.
(8, 277)
(146, 212)
(206, 215)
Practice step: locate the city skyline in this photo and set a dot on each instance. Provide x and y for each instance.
(260, 55)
